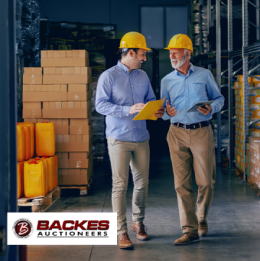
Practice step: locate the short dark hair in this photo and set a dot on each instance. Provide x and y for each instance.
(124, 51)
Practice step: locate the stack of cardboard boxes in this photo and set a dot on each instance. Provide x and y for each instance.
(60, 92)
(253, 162)
(253, 114)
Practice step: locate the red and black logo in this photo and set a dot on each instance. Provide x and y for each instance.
(23, 228)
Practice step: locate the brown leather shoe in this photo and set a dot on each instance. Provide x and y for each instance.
(187, 238)
(124, 241)
(139, 229)
(203, 228)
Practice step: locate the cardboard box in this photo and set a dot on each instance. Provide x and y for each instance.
(32, 114)
(64, 113)
(74, 146)
(30, 120)
(62, 130)
(73, 138)
(32, 110)
(32, 79)
(240, 78)
(63, 163)
(66, 79)
(257, 145)
(75, 179)
(64, 155)
(79, 155)
(78, 87)
(32, 71)
(64, 53)
(64, 62)
(81, 122)
(79, 96)
(67, 71)
(81, 129)
(76, 176)
(32, 105)
(45, 96)
(73, 164)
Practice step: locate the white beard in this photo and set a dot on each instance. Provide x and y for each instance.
(179, 63)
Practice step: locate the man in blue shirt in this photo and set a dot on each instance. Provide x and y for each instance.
(122, 92)
(190, 137)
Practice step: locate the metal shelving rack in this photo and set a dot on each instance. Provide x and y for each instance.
(230, 87)
(218, 72)
(209, 58)
(244, 52)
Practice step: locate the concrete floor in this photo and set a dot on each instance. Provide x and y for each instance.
(234, 221)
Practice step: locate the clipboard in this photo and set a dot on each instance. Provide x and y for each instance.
(148, 111)
(195, 107)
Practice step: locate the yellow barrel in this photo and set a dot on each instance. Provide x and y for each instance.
(20, 179)
(45, 139)
(45, 169)
(50, 172)
(34, 179)
(55, 171)
(32, 127)
(27, 131)
(20, 142)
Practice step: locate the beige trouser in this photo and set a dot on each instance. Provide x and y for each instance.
(195, 147)
(121, 154)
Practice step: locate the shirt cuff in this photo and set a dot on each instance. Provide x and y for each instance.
(213, 108)
(125, 110)
(166, 116)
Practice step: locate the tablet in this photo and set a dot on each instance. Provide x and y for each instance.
(195, 107)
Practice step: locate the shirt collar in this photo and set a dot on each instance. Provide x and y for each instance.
(123, 67)
(190, 71)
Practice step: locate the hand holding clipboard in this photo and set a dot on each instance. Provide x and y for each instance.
(148, 111)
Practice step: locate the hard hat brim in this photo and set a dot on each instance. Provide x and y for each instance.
(169, 48)
(146, 48)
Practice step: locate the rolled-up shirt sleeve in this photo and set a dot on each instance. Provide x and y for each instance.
(103, 96)
(214, 94)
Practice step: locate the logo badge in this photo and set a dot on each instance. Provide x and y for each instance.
(23, 228)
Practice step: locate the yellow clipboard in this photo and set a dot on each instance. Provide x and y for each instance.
(148, 111)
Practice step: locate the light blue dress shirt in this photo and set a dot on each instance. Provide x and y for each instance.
(117, 91)
(183, 92)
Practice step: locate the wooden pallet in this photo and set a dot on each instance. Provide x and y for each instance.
(82, 190)
(39, 204)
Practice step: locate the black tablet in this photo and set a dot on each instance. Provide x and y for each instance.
(195, 107)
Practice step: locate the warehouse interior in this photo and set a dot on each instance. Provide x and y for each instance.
(225, 36)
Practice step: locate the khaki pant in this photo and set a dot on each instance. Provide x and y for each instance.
(121, 154)
(195, 147)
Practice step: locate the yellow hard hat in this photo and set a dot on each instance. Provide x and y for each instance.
(133, 40)
(180, 41)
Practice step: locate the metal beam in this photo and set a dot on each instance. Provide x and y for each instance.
(242, 16)
(245, 75)
(257, 31)
(231, 155)
(209, 23)
(218, 63)
(8, 155)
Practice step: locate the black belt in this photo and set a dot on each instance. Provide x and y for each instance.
(192, 126)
